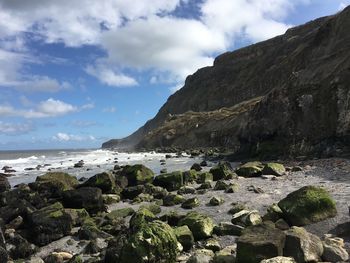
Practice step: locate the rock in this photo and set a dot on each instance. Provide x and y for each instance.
(276, 169)
(156, 191)
(78, 216)
(154, 242)
(201, 256)
(297, 169)
(246, 218)
(173, 199)
(204, 177)
(279, 260)
(170, 181)
(172, 218)
(154, 208)
(237, 207)
(105, 181)
(186, 190)
(132, 191)
(143, 198)
(215, 201)
(274, 213)
(197, 167)
(15, 223)
(281, 224)
(3, 255)
(53, 184)
(250, 169)
(201, 225)
(141, 217)
(76, 259)
(309, 204)
(255, 189)
(302, 246)
(190, 203)
(221, 172)
(89, 230)
(190, 176)
(228, 229)
(220, 185)
(89, 198)
(109, 199)
(2, 239)
(137, 174)
(184, 236)
(79, 164)
(18, 247)
(4, 184)
(205, 186)
(35, 260)
(121, 212)
(334, 251)
(49, 224)
(259, 242)
(212, 244)
(164, 171)
(63, 255)
(225, 255)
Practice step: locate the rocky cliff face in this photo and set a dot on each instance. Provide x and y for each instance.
(289, 95)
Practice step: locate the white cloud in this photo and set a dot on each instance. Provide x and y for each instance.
(342, 5)
(7, 128)
(83, 124)
(109, 109)
(64, 137)
(110, 77)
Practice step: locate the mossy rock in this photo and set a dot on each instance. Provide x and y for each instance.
(78, 215)
(54, 183)
(215, 201)
(184, 236)
(137, 174)
(109, 199)
(154, 242)
(276, 169)
(205, 186)
(190, 176)
(186, 190)
(220, 185)
(172, 218)
(309, 204)
(154, 208)
(201, 225)
(173, 199)
(190, 203)
(105, 181)
(132, 191)
(204, 177)
(143, 198)
(141, 217)
(122, 212)
(250, 169)
(170, 181)
(221, 172)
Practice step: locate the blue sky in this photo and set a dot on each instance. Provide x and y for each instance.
(75, 73)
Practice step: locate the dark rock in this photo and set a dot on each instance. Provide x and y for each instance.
(226, 228)
(200, 225)
(276, 169)
(203, 163)
(205, 186)
(190, 203)
(105, 181)
(173, 199)
(184, 236)
(204, 177)
(141, 217)
(250, 169)
(4, 184)
(172, 218)
(222, 171)
(190, 176)
(137, 174)
(197, 167)
(215, 201)
(20, 247)
(171, 181)
(132, 191)
(3, 255)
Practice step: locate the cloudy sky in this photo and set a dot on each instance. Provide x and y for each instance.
(74, 73)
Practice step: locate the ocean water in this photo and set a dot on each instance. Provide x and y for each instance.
(95, 161)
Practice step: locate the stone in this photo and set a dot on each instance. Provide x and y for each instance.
(237, 207)
(156, 191)
(121, 212)
(4, 184)
(197, 167)
(309, 204)
(205, 186)
(89, 198)
(132, 191)
(190, 203)
(274, 213)
(212, 244)
(201, 256)
(281, 224)
(49, 224)
(190, 176)
(228, 229)
(154, 208)
(259, 242)
(279, 260)
(297, 169)
(3, 255)
(200, 225)
(250, 169)
(186, 190)
(204, 177)
(225, 255)
(302, 246)
(154, 242)
(172, 218)
(105, 181)
(333, 250)
(246, 218)
(18, 247)
(220, 185)
(143, 198)
(221, 172)
(184, 236)
(137, 174)
(173, 199)
(170, 181)
(78, 216)
(141, 217)
(232, 188)
(109, 199)
(215, 201)
(276, 169)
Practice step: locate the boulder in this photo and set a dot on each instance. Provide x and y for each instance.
(190, 176)
(221, 185)
(172, 218)
(196, 166)
(212, 244)
(170, 181)
(222, 172)
(302, 246)
(173, 199)
(78, 216)
(89, 198)
(237, 207)
(246, 218)
(279, 260)
(184, 236)
(154, 208)
(215, 201)
(250, 169)
(105, 181)
(121, 212)
(132, 191)
(186, 190)
(49, 223)
(190, 203)
(259, 242)
(228, 229)
(204, 177)
(156, 191)
(225, 255)
(141, 217)
(154, 242)
(200, 225)
(201, 256)
(333, 250)
(19, 247)
(309, 204)
(137, 174)
(4, 184)
(205, 186)
(276, 169)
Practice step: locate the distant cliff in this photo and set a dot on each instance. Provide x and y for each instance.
(286, 96)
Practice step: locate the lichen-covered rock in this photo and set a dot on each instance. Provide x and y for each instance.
(184, 236)
(105, 181)
(190, 176)
(279, 260)
(141, 217)
(173, 199)
(54, 183)
(156, 191)
(137, 174)
(49, 223)
(259, 242)
(143, 198)
(215, 201)
(220, 185)
(197, 167)
(212, 244)
(89, 198)
(201, 256)
(204, 177)
(237, 207)
(250, 169)
(309, 204)
(221, 171)
(121, 212)
(302, 246)
(154, 208)
(201, 225)
(172, 218)
(109, 199)
(334, 251)
(19, 247)
(77, 215)
(154, 242)
(276, 169)
(205, 186)
(132, 191)
(274, 213)
(186, 190)
(4, 184)
(170, 181)
(190, 203)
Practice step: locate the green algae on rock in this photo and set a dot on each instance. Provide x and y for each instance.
(201, 225)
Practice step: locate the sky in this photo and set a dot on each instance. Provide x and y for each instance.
(75, 73)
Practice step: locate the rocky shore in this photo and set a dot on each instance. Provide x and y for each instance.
(257, 212)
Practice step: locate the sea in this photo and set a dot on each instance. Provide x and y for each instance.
(28, 164)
